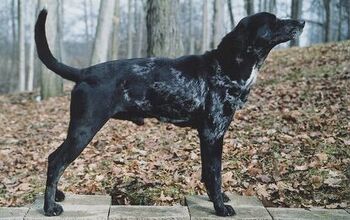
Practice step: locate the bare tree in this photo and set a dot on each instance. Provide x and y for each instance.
(130, 28)
(14, 63)
(218, 23)
(340, 19)
(21, 46)
(51, 84)
(191, 37)
(86, 21)
(249, 6)
(296, 14)
(60, 28)
(230, 12)
(162, 33)
(272, 6)
(30, 80)
(347, 9)
(115, 35)
(140, 25)
(205, 37)
(268, 6)
(327, 22)
(103, 30)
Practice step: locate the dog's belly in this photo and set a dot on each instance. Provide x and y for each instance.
(177, 110)
(170, 113)
(168, 101)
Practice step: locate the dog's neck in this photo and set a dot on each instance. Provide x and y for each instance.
(238, 58)
(238, 65)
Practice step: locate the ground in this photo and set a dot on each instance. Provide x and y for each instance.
(290, 145)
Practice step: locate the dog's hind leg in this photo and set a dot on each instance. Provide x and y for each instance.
(79, 135)
(87, 118)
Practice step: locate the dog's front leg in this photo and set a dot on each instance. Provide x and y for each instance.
(211, 153)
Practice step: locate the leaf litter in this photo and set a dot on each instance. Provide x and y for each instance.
(290, 145)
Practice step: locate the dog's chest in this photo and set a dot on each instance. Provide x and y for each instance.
(233, 94)
(252, 78)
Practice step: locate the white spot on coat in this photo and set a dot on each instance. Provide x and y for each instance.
(252, 78)
(143, 70)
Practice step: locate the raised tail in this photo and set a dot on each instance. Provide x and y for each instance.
(46, 56)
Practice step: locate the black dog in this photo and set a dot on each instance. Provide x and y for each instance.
(202, 92)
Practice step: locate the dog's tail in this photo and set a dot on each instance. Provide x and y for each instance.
(46, 56)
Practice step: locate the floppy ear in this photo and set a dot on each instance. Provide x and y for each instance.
(235, 41)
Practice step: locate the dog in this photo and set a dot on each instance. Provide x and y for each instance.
(198, 91)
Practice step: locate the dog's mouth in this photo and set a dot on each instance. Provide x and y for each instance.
(289, 30)
(295, 33)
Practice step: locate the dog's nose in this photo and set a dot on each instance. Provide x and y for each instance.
(301, 23)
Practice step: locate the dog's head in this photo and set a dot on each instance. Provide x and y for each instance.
(266, 30)
(259, 33)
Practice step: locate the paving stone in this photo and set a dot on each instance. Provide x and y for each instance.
(149, 213)
(330, 213)
(291, 213)
(13, 213)
(74, 207)
(313, 213)
(246, 207)
(348, 210)
(236, 200)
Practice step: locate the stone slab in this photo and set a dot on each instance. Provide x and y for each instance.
(149, 213)
(236, 200)
(309, 214)
(348, 210)
(74, 207)
(331, 213)
(246, 207)
(13, 213)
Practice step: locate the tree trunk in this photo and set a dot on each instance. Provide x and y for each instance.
(348, 20)
(130, 28)
(21, 47)
(103, 30)
(30, 80)
(8, 60)
(260, 6)
(14, 61)
(205, 37)
(249, 6)
(191, 37)
(272, 6)
(230, 11)
(327, 23)
(162, 33)
(91, 15)
(296, 14)
(51, 83)
(218, 23)
(340, 19)
(115, 35)
(140, 29)
(60, 28)
(86, 22)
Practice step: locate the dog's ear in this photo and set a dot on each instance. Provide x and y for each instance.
(235, 41)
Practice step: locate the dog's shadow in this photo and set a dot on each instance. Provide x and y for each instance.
(134, 191)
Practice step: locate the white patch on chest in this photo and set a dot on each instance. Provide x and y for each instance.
(252, 78)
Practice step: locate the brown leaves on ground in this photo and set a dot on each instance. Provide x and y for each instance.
(290, 145)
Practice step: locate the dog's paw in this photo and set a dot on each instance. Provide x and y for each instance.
(53, 210)
(59, 197)
(225, 197)
(226, 210)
